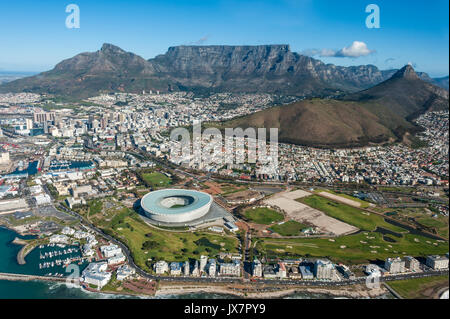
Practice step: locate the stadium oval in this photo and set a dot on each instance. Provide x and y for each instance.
(175, 205)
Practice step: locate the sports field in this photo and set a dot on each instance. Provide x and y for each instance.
(263, 215)
(289, 228)
(156, 180)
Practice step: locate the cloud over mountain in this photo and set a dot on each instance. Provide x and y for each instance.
(355, 50)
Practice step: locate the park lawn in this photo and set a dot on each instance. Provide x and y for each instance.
(363, 203)
(414, 288)
(95, 207)
(156, 179)
(289, 228)
(166, 245)
(228, 189)
(263, 215)
(348, 214)
(353, 249)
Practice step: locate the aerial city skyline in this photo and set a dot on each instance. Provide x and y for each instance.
(223, 150)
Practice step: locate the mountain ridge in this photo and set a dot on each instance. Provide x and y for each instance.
(379, 114)
(241, 69)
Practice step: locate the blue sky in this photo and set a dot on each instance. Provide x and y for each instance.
(33, 35)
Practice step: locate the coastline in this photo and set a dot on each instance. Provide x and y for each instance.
(355, 291)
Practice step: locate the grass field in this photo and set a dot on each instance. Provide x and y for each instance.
(95, 207)
(156, 179)
(350, 215)
(289, 228)
(363, 203)
(440, 224)
(417, 288)
(352, 249)
(263, 216)
(146, 242)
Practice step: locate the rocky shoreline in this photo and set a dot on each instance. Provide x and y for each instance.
(356, 292)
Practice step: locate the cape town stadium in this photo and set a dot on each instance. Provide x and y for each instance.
(175, 205)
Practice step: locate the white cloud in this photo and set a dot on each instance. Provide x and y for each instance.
(355, 50)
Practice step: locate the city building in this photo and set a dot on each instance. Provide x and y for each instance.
(187, 268)
(175, 268)
(437, 262)
(212, 268)
(95, 274)
(110, 250)
(124, 271)
(257, 268)
(161, 267)
(306, 273)
(44, 117)
(230, 269)
(412, 264)
(324, 269)
(203, 263)
(394, 265)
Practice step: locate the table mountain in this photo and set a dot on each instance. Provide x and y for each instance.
(263, 68)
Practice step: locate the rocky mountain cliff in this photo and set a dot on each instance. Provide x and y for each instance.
(264, 68)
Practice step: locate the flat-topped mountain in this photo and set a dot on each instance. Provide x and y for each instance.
(248, 69)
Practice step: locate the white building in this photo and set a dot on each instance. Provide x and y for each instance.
(175, 268)
(59, 239)
(257, 268)
(124, 271)
(230, 269)
(437, 262)
(68, 231)
(203, 262)
(117, 259)
(42, 199)
(412, 264)
(187, 268)
(161, 267)
(95, 274)
(212, 268)
(324, 269)
(394, 265)
(110, 250)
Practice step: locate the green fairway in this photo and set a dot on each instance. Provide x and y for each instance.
(352, 249)
(263, 216)
(289, 228)
(156, 180)
(148, 244)
(348, 214)
(415, 288)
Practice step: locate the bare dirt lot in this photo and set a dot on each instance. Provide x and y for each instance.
(286, 201)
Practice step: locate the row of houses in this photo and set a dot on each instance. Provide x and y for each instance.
(204, 267)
